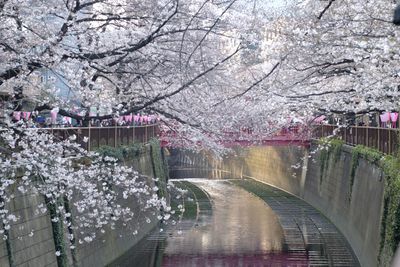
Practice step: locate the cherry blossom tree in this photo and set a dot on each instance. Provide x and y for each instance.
(180, 59)
(206, 67)
(341, 56)
(187, 60)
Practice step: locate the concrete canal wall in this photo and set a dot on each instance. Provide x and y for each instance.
(25, 249)
(353, 204)
(115, 243)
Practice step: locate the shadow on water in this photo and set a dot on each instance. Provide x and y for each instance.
(241, 230)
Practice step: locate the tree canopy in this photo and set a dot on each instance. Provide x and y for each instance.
(205, 66)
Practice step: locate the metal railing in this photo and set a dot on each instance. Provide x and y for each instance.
(382, 139)
(91, 138)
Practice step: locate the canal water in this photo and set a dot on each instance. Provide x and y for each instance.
(239, 230)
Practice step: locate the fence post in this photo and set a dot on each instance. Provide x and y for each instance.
(356, 139)
(89, 139)
(115, 135)
(99, 130)
(379, 143)
(367, 136)
(108, 136)
(390, 143)
(145, 133)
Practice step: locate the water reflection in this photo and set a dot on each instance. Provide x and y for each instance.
(241, 231)
(240, 224)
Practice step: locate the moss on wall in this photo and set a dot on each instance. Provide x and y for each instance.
(72, 241)
(331, 148)
(122, 153)
(160, 168)
(370, 154)
(390, 222)
(58, 232)
(8, 248)
(190, 211)
(10, 255)
(390, 227)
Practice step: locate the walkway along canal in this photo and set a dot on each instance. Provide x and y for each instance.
(243, 223)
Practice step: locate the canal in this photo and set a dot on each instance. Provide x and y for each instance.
(242, 223)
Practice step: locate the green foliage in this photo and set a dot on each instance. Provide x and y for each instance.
(370, 154)
(122, 153)
(133, 151)
(390, 166)
(70, 223)
(201, 197)
(190, 212)
(390, 223)
(108, 151)
(201, 201)
(157, 159)
(159, 169)
(9, 249)
(324, 159)
(330, 147)
(10, 255)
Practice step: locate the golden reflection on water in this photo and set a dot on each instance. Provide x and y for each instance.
(240, 224)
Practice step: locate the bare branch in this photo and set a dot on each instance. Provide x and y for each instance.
(325, 9)
(316, 94)
(253, 85)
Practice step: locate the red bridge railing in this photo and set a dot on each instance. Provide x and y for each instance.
(91, 138)
(293, 135)
(382, 139)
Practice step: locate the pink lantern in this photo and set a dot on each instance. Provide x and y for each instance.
(17, 115)
(27, 115)
(145, 119)
(393, 117)
(67, 120)
(152, 118)
(128, 118)
(53, 115)
(385, 117)
(319, 119)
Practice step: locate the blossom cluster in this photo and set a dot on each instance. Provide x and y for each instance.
(88, 192)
